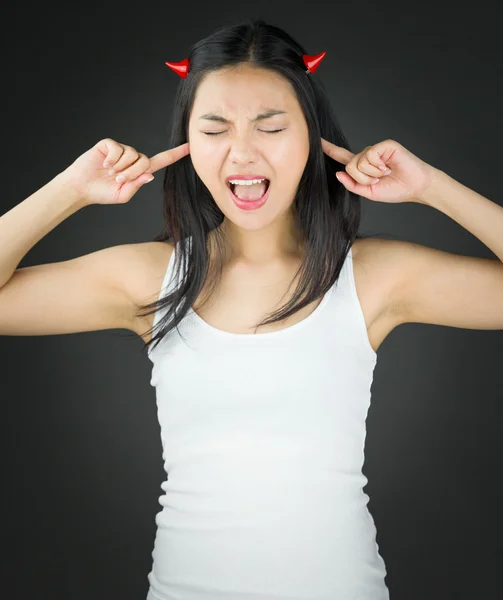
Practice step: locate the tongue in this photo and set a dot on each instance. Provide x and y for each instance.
(250, 192)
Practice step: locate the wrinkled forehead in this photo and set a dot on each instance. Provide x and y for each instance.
(243, 92)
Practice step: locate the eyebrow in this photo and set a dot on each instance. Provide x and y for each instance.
(264, 115)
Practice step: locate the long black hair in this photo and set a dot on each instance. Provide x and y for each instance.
(327, 215)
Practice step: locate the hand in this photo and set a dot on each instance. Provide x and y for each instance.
(407, 182)
(92, 181)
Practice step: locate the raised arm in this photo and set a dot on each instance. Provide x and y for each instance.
(100, 290)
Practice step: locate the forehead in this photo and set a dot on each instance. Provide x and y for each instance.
(243, 90)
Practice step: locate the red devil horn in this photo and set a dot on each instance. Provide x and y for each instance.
(180, 68)
(313, 62)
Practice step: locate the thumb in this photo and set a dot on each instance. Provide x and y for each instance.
(353, 186)
(131, 187)
(147, 178)
(345, 179)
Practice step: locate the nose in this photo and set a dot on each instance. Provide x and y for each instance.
(243, 149)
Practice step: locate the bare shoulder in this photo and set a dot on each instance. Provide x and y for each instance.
(432, 286)
(377, 270)
(150, 265)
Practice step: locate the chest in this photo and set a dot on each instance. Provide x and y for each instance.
(244, 297)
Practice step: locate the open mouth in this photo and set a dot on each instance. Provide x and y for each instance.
(232, 186)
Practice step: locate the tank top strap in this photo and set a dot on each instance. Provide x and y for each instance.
(355, 314)
(169, 283)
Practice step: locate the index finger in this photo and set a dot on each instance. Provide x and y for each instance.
(168, 157)
(336, 152)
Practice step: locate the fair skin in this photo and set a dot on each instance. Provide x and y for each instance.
(397, 281)
(426, 285)
(261, 237)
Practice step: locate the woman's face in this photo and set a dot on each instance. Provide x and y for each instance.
(243, 145)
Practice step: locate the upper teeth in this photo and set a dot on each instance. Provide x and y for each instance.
(245, 181)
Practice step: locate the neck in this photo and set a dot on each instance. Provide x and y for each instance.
(263, 247)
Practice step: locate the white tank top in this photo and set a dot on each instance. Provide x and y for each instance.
(263, 446)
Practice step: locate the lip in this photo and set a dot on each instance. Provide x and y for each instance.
(246, 177)
(249, 205)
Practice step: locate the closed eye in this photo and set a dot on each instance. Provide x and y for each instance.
(219, 132)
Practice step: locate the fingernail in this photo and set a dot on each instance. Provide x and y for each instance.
(149, 180)
(106, 164)
(375, 180)
(120, 178)
(383, 167)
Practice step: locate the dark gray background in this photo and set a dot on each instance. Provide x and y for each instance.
(81, 451)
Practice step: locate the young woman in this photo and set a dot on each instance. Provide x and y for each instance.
(262, 311)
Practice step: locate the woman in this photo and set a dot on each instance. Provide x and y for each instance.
(263, 432)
